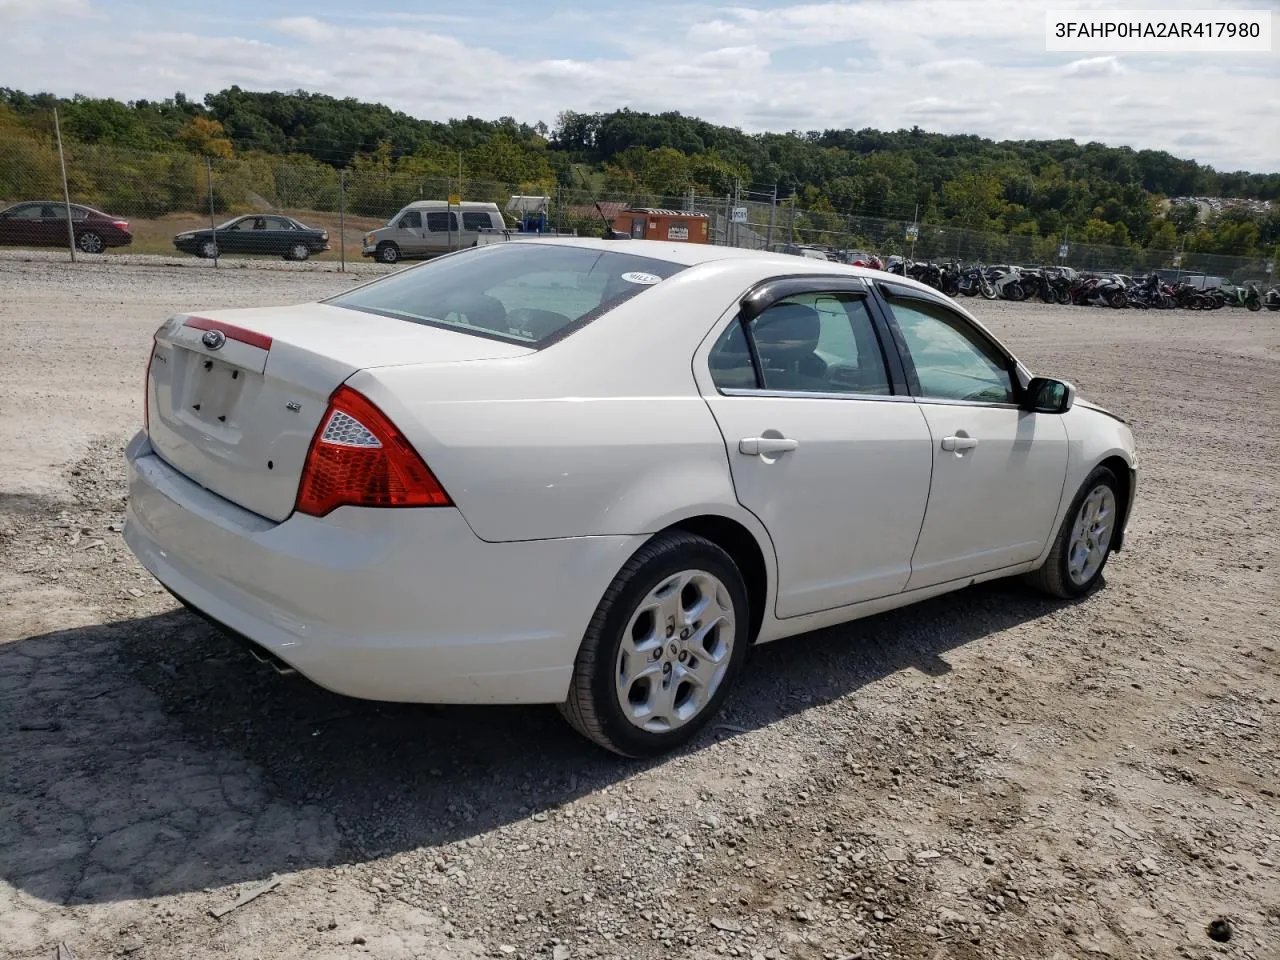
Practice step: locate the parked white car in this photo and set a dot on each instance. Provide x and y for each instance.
(593, 472)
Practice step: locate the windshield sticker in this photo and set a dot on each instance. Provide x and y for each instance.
(645, 278)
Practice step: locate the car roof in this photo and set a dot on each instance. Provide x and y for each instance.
(692, 254)
(425, 204)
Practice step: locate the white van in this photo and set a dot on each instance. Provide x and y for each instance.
(428, 228)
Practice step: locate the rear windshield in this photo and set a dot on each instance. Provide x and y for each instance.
(521, 291)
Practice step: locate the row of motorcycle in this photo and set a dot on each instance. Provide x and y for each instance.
(1056, 285)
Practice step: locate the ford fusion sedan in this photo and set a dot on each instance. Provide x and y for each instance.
(271, 235)
(592, 473)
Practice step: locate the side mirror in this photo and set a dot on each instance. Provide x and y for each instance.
(1045, 395)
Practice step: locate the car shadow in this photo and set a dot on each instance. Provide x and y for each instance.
(154, 756)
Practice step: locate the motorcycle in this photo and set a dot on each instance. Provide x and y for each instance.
(974, 281)
(1151, 293)
(1249, 297)
(1105, 291)
(950, 278)
(1188, 297)
(1272, 299)
(1008, 285)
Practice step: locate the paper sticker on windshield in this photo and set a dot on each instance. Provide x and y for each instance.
(645, 278)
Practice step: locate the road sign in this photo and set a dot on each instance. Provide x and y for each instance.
(1062, 252)
(1271, 266)
(739, 214)
(455, 199)
(1177, 259)
(913, 233)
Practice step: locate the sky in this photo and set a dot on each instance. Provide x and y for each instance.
(950, 66)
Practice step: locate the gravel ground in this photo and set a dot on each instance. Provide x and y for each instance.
(987, 775)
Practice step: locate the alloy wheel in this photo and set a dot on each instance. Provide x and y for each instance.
(675, 652)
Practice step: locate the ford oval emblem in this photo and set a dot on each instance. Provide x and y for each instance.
(214, 339)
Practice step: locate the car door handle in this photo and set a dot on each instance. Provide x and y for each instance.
(959, 443)
(755, 446)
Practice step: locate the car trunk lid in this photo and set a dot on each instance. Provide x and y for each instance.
(234, 397)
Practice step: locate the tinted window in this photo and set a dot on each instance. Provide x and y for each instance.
(523, 291)
(411, 220)
(278, 223)
(442, 222)
(811, 343)
(476, 221)
(29, 212)
(952, 360)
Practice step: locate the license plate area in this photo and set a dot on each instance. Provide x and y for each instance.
(213, 391)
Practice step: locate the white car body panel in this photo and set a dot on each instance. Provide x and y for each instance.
(991, 506)
(843, 521)
(560, 464)
(353, 601)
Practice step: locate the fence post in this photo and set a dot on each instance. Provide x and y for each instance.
(66, 191)
(213, 227)
(342, 220)
(773, 206)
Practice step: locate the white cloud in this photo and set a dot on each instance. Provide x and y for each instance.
(1094, 67)
(955, 66)
(16, 11)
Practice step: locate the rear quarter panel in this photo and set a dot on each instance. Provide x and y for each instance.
(603, 433)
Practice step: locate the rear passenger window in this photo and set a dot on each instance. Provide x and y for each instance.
(811, 343)
(476, 221)
(442, 222)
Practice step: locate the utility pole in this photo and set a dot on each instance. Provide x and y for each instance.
(915, 230)
(66, 191)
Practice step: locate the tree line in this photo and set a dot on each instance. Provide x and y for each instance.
(154, 151)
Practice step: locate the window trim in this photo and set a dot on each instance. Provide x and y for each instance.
(887, 292)
(770, 292)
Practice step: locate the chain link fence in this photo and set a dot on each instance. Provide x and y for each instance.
(165, 195)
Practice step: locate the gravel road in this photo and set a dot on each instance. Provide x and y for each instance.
(987, 775)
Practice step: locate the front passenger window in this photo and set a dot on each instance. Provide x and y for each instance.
(952, 360)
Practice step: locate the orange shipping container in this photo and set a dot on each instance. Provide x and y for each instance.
(647, 223)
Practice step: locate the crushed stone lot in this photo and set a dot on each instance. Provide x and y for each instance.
(990, 774)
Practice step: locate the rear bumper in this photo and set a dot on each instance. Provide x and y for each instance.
(400, 605)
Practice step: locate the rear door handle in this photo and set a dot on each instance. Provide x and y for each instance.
(959, 443)
(755, 446)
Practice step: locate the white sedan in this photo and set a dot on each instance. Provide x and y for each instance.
(593, 472)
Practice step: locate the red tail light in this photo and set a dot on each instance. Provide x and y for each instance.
(359, 458)
(122, 224)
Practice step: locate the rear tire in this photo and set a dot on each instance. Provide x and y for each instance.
(387, 253)
(636, 688)
(1117, 300)
(90, 242)
(1015, 292)
(1083, 543)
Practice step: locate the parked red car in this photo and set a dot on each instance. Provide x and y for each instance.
(43, 223)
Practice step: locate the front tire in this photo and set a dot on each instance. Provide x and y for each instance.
(299, 252)
(387, 253)
(1083, 543)
(209, 250)
(663, 649)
